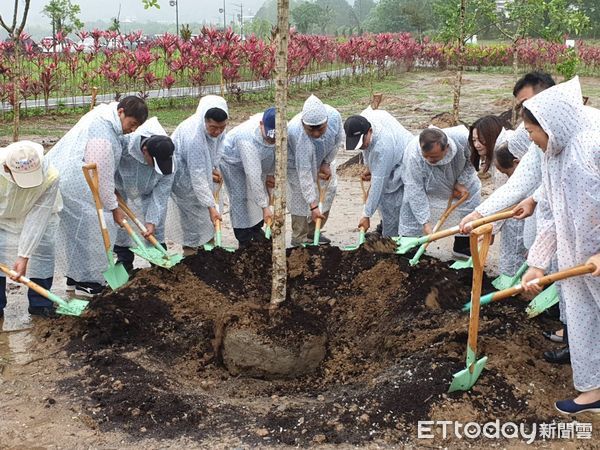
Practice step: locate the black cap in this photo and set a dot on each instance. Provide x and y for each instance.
(161, 149)
(355, 127)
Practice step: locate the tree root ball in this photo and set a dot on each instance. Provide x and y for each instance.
(249, 353)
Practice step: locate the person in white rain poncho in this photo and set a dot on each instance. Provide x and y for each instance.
(94, 139)
(144, 179)
(29, 203)
(382, 139)
(314, 138)
(558, 123)
(437, 166)
(198, 150)
(248, 166)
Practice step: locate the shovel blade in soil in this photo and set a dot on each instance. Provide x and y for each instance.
(465, 379)
(73, 307)
(505, 282)
(544, 300)
(459, 265)
(116, 276)
(406, 244)
(156, 257)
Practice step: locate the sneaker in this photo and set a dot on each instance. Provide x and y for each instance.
(70, 284)
(570, 407)
(46, 312)
(88, 289)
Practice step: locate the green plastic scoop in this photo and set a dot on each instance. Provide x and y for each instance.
(459, 265)
(361, 241)
(73, 307)
(150, 254)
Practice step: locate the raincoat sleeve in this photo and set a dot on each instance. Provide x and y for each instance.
(253, 169)
(380, 167)
(37, 220)
(304, 167)
(519, 186)
(468, 172)
(157, 208)
(414, 190)
(100, 151)
(200, 173)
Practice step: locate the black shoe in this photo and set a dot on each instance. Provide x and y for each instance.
(88, 289)
(1, 313)
(70, 284)
(552, 336)
(461, 248)
(562, 356)
(322, 239)
(379, 228)
(42, 311)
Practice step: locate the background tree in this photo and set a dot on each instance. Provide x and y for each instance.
(260, 27)
(14, 28)
(361, 10)
(64, 16)
(591, 8)
(386, 16)
(418, 16)
(308, 15)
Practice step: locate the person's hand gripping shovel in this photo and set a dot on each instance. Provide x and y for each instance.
(116, 275)
(157, 254)
(466, 378)
(361, 230)
(449, 209)
(72, 307)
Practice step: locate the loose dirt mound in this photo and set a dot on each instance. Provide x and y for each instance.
(143, 360)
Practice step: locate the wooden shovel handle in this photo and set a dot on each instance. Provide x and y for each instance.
(90, 172)
(151, 238)
(582, 269)
(376, 101)
(449, 209)
(94, 95)
(479, 254)
(365, 190)
(24, 280)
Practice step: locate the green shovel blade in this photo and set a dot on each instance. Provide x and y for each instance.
(465, 379)
(156, 257)
(505, 281)
(361, 241)
(544, 300)
(116, 275)
(73, 307)
(268, 232)
(415, 259)
(459, 265)
(408, 243)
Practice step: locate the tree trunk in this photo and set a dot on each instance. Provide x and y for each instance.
(278, 289)
(515, 65)
(16, 76)
(460, 63)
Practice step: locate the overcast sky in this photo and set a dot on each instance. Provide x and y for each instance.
(189, 10)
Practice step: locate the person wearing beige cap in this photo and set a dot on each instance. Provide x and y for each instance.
(314, 138)
(29, 203)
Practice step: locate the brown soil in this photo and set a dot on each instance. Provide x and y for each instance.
(143, 359)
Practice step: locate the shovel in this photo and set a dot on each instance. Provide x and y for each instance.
(218, 233)
(159, 255)
(451, 207)
(548, 279)
(544, 300)
(408, 243)
(73, 307)
(317, 236)
(459, 265)
(504, 281)
(116, 275)
(361, 230)
(269, 222)
(466, 378)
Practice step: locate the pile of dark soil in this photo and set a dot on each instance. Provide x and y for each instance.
(146, 359)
